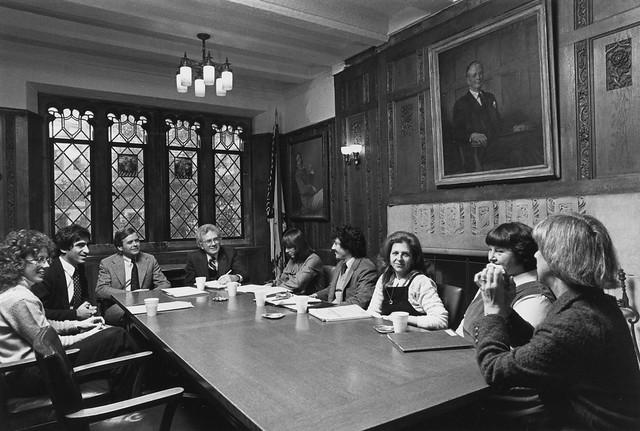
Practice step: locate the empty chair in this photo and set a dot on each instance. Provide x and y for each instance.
(452, 299)
(61, 382)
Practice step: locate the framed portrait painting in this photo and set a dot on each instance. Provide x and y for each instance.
(308, 177)
(493, 100)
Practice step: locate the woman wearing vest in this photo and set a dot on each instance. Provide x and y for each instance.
(403, 286)
(511, 246)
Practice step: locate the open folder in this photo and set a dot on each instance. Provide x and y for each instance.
(431, 340)
(340, 312)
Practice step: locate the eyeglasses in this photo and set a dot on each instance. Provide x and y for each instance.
(212, 241)
(40, 261)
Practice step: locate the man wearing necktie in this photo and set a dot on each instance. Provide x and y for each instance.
(212, 259)
(64, 289)
(128, 269)
(354, 277)
(476, 121)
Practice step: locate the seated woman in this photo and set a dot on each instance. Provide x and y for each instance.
(580, 358)
(403, 286)
(303, 273)
(511, 246)
(24, 255)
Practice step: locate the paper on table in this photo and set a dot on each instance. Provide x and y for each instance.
(289, 301)
(214, 284)
(341, 312)
(163, 306)
(251, 288)
(178, 292)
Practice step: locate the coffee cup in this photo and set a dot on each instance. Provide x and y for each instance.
(261, 297)
(400, 320)
(302, 301)
(232, 288)
(200, 281)
(152, 306)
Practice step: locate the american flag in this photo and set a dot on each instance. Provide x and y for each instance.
(275, 205)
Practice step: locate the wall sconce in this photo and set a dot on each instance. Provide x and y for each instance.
(351, 153)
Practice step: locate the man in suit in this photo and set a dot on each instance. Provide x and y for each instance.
(354, 277)
(128, 269)
(213, 260)
(64, 291)
(476, 121)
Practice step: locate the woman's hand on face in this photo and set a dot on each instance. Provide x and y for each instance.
(91, 322)
(496, 289)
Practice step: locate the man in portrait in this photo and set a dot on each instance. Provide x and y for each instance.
(311, 195)
(476, 121)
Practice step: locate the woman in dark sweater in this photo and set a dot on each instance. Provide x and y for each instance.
(580, 358)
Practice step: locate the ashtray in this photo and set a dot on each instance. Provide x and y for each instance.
(273, 315)
(219, 298)
(384, 329)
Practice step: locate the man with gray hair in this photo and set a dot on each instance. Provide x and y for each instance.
(213, 260)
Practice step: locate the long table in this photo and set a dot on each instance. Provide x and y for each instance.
(299, 373)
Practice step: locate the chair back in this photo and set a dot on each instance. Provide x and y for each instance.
(451, 297)
(628, 311)
(57, 373)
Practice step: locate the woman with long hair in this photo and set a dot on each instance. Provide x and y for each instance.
(303, 273)
(24, 256)
(580, 358)
(404, 286)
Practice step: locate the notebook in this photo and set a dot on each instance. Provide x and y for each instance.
(341, 312)
(178, 292)
(431, 340)
(163, 306)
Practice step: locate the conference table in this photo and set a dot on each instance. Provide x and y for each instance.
(299, 373)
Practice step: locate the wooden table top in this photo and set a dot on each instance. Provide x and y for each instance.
(299, 373)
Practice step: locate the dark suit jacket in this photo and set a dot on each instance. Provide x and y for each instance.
(53, 293)
(197, 265)
(359, 286)
(469, 116)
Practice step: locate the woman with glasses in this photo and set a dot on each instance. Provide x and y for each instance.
(581, 357)
(404, 286)
(303, 273)
(24, 256)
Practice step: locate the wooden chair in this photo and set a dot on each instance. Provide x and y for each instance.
(628, 311)
(35, 412)
(452, 299)
(62, 384)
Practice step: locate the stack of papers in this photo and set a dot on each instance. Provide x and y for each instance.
(288, 301)
(163, 306)
(341, 312)
(430, 340)
(178, 292)
(267, 288)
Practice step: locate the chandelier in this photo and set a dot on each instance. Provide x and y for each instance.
(206, 72)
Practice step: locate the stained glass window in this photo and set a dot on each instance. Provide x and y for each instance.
(127, 137)
(71, 135)
(183, 142)
(227, 164)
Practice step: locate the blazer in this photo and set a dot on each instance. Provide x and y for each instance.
(469, 116)
(580, 359)
(52, 291)
(198, 265)
(111, 280)
(359, 284)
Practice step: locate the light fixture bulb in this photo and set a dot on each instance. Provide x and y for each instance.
(345, 150)
(227, 80)
(220, 91)
(185, 75)
(199, 87)
(209, 74)
(181, 88)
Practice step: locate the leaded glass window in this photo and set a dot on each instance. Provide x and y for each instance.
(127, 137)
(183, 142)
(227, 164)
(71, 135)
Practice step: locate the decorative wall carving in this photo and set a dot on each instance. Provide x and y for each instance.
(583, 110)
(391, 146)
(422, 133)
(618, 56)
(582, 13)
(407, 120)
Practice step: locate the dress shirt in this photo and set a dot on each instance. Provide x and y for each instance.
(341, 280)
(69, 270)
(215, 261)
(476, 95)
(128, 266)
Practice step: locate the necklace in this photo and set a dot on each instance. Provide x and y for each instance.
(390, 295)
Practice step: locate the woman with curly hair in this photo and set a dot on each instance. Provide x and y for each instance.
(24, 255)
(403, 286)
(580, 358)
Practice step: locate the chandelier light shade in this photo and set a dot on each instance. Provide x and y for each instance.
(206, 72)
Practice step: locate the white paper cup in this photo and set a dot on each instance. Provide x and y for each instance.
(400, 320)
(232, 288)
(200, 281)
(301, 303)
(152, 306)
(261, 296)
